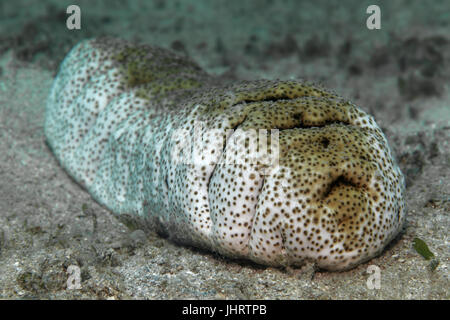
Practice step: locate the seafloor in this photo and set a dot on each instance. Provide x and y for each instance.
(399, 74)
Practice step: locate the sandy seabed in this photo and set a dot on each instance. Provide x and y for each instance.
(399, 74)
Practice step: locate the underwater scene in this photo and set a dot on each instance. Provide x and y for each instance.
(224, 150)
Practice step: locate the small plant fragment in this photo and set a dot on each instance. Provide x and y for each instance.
(422, 248)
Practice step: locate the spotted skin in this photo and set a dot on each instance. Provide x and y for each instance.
(117, 111)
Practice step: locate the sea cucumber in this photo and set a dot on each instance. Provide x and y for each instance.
(146, 132)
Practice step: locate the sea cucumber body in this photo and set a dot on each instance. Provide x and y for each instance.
(146, 132)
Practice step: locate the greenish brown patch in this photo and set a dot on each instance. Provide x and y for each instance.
(156, 72)
(130, 51)
(137, 76)
(135, 66)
